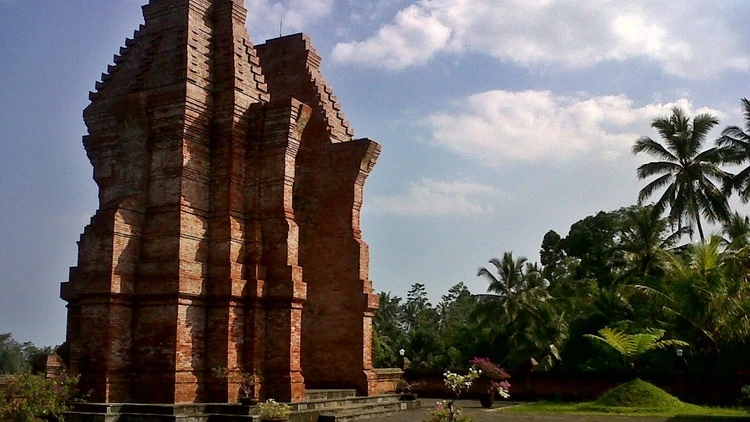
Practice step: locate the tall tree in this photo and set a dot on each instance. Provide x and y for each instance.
(424, 345)
(518, 284)
(688, 175)
(736, 232)
(707, 301)
(416, 309)
(643, 238)
(594, 242)
(12, 360)
(520, 319)
(389, 334)
(737, 142)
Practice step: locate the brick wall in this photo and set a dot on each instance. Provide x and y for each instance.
(227, 232)
(583, 386)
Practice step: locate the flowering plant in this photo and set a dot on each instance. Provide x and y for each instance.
(497, 375)
(442, 413)
(271, 409)
(26, 397)
(460, 383)
(489, 369)
(502, 388)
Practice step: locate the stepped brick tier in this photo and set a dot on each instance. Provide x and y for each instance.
(228, 228)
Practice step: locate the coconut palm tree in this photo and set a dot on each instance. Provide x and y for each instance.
(737, 142)
(705, 297)
(518, 309)
(643, 238)
(688, 175)
(736, 231)
(518, 285)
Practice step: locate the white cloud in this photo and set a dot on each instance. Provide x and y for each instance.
(437, 198)
(415, 35)
(498, 127)
(557, 32)
(264, 16)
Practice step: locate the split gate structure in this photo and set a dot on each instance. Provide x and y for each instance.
(228, 228)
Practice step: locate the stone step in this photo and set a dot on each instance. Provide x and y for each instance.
(349, 408)
(229, 418)
(323, 394)
(343, 402)
(366, 411)
(346, 407)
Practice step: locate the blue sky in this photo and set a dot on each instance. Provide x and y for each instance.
(499, 120)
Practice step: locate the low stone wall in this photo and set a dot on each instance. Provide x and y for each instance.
(387, 379)
(584, 386)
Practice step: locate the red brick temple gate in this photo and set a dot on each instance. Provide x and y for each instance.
(228, 231)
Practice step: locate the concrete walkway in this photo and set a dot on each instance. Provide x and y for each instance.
(497, 414)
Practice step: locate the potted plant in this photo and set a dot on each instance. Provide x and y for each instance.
(497, 377)
(246, 381)
(271, 410)
(405, 388)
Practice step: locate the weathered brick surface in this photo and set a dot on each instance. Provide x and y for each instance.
(227, 232)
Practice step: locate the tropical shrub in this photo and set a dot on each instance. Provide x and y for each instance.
(246, 380)
(271, 409)
(745, 396)
(633, 346)
(442, 413)
(29, 397)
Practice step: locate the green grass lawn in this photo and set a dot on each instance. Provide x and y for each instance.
(591, 408)
(635, 398)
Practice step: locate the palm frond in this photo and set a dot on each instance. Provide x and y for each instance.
(656, 184)
(614, 339)
(653, 148)
(746, 113)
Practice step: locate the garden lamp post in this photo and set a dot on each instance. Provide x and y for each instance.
(681, 365)
(403, 361)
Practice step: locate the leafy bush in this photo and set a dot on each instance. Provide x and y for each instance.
(246, 380)
(27, 397)
(271, 409)
(406, 387)
(745, 396)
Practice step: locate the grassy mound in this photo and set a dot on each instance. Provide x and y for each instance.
(637, 393)
(635, 398)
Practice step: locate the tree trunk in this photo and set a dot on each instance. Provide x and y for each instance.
(700, 227)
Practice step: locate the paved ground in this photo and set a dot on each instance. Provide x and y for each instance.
(497, 414)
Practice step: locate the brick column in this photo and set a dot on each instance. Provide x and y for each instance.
(277, 141)
(337, 318)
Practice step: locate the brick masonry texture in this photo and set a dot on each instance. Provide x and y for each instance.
(228, 229)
